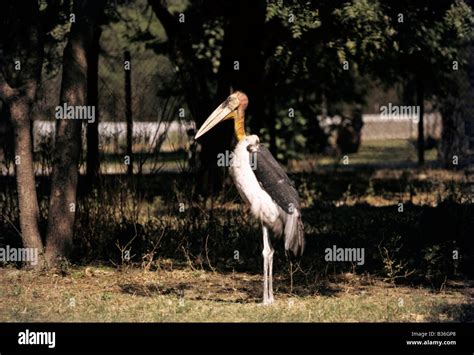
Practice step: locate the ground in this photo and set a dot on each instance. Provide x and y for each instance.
(182, 294)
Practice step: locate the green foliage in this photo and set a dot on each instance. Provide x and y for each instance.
(210, 48)
(297, 16)
(290, 139)
(459, 19)
(365, 32)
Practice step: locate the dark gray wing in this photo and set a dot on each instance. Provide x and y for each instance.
(273, 178)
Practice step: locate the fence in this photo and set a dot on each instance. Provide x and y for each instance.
(402, 127)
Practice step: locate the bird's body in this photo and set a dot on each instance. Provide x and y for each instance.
(261, 204)
(263, 185)
(268, 191)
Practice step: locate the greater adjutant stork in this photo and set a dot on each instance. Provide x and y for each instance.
(263, 185)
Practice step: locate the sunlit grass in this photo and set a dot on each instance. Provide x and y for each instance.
(186, 295)
(389, 151)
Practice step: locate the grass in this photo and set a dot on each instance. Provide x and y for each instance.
(389, 151)
(183, 294)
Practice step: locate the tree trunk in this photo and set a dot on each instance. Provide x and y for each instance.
(420, 98)
(243, 44)
(128, 113)
(457, 112)
(242, 67)
(67, 149)
(25, 174)
(272, 120)
(93, 159)
(7, 141)
(23, 45)
(454, 141)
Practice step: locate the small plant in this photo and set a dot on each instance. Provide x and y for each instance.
(347, 194)
(308, 194)
(149, 256)
(63, 266)
(125, 252)
(394, 267)
(370, 189)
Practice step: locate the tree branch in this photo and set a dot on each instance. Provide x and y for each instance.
(168, 21)
(50, 14)
(6, 91)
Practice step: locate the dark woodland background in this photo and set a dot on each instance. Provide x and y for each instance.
(313, 72)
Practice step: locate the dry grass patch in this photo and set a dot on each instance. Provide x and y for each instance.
(186, 295)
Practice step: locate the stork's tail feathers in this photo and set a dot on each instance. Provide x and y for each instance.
(294, 235)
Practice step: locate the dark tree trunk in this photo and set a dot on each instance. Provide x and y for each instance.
(272, 127)
(67, 147)
(25, 174)
(243, 46)
(241, 69)
(454, 141)
(22, 40)
(128, 113)
(93, 158)
(6, 137)
(457, 111)
(420, 98)
(241, 43)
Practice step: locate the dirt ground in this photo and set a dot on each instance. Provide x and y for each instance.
(100, 294)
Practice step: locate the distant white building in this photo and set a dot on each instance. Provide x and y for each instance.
(144, 132)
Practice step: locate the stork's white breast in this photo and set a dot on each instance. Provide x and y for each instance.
(261, 204)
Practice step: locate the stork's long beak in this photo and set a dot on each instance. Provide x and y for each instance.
(223, 112)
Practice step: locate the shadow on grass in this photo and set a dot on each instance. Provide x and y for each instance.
(457, 312)
(249, 293)
(228, 288)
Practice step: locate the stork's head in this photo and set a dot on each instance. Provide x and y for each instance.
(232, 108)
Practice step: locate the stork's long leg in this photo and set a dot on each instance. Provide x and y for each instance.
(265, 265)
(267, 268)
(270, 276)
